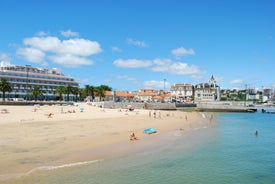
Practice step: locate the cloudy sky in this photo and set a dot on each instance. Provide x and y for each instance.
(136, 44)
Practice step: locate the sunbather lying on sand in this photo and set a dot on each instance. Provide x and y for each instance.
(133, 137)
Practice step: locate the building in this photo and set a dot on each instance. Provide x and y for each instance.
(118, 96)
(207, 92)
(182, 93)
(251, 94)
(24, 78)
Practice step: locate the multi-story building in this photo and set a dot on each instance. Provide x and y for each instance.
(182, 93)
(208, 92)
(24, 78)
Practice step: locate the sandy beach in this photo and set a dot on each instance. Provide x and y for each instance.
(35, 136)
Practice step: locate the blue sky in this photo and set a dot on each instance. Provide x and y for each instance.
(136, 44)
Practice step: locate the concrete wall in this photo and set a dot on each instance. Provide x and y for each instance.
(222, 106)
(136, 105)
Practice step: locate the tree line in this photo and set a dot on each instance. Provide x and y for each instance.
(63, 92)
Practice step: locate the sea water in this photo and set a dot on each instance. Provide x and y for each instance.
(225, 152)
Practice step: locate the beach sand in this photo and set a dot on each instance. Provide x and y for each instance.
(30, 138)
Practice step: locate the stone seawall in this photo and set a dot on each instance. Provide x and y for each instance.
(136, 105)
(223, 107)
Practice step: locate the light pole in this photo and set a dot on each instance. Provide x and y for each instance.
(245, 95)
(164, 80)
(27, 82)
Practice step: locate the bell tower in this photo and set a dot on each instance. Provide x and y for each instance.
(212, 82)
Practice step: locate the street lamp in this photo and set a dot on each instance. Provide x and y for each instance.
(27, 82)
(164, 80)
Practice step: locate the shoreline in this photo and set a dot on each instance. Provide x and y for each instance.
(78, 137)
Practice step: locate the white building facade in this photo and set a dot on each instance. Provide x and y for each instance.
(182, 93)
(207, 92)
(24, 78)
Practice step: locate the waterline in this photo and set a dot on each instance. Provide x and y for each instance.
(46, 168)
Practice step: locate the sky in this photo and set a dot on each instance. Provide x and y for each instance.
(134, 44)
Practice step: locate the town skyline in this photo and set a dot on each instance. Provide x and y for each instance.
(134, 45)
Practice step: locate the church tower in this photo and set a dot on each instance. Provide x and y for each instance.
(212, 82)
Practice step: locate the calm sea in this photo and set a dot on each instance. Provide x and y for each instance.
(226, 152)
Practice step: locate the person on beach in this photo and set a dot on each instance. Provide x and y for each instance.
(4, 111)
(50, 115)
(133, 137)
(155, 114)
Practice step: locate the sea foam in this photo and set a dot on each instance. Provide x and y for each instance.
(47, 168)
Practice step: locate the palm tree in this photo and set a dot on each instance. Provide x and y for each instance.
(60, 90)
(5, 86)
(100, 91)
(68, 91)
(76, 91)
(92, 88)
(36, 91)
(87, 90)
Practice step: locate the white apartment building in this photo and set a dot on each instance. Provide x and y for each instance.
(24, 78)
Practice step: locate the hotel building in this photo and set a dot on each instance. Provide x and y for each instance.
(24, 78)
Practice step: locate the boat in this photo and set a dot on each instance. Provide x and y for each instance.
(150, 130)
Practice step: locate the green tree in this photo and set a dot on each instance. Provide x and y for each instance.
(60, 90)
(5, 86)
(100, 91)
(68, 91)
(76, 91)
(36, 92)
(89, 91)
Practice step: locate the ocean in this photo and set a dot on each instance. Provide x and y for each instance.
(228, 151)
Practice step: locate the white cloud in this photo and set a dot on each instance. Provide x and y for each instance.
(69, 53)
(49, 44)
(137, 43)
(159, 65)
(132, 63)
(197, 77)
(75, 46)
(41, 33)
(116, 49)
(178, 68)
(125, 77)
(236, 81)
(32, 54)
(69, 33)
(219, 79)
(4, 57)
(179, 52)
(70, 61)
(5, 60)
(79, 47)
(156, 84)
